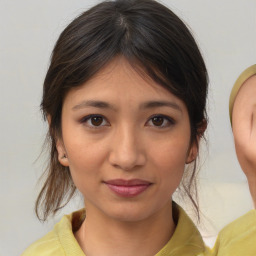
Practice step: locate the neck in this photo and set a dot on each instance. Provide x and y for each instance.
(125, 238)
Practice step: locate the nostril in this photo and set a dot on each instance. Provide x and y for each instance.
(127, 160)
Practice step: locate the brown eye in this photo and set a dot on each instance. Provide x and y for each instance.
(158, 120)
(161, 121)
(96, 120)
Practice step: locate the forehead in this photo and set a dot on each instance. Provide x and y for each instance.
(118, 80)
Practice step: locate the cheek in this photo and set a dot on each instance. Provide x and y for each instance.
(169, 161)
(84, 156)
(171, 153)
(83, 150)
(85, 160)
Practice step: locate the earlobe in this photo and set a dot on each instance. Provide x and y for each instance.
(192, 154)
(62, 155)
(48, 117)
(193, 151)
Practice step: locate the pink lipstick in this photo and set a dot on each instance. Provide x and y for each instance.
(127, 188)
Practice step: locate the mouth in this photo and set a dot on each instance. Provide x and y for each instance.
(128, 188)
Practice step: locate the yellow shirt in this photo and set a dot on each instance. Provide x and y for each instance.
(237, 239)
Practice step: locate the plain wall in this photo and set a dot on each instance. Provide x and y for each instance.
(225, 31)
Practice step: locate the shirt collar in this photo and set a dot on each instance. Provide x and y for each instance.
(186, 240)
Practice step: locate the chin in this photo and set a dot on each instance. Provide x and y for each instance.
(130, 213)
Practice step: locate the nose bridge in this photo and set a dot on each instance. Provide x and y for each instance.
(127, 150)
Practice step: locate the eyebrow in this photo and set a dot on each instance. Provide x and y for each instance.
(157, 104)
(93, 103)
(145, 105)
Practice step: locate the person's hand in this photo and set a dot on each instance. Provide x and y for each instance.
(244, 130)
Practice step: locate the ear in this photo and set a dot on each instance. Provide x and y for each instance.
(192, 153)
(49, 119)
(193, 150)
(62, 155)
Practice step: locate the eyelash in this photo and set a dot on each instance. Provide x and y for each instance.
(89, 118)
(166, 119)
(170, 121)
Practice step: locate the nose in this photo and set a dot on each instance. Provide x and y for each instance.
(127, 151)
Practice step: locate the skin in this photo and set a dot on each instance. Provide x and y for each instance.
(125, 144)
(244, 130)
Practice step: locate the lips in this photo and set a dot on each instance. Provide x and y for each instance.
(127, 188)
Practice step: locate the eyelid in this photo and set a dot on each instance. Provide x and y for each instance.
(88, 117)
(85, 119)
(170, 120)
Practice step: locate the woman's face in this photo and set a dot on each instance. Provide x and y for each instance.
(126, 141)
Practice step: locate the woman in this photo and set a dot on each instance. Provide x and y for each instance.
(125, 98)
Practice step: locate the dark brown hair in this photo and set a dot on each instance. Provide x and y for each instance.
(149, 36)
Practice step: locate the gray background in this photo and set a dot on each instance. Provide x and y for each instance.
(225, 31)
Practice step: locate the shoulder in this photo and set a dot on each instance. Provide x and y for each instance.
(61, 240)
(238, 238)
(47, 245)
